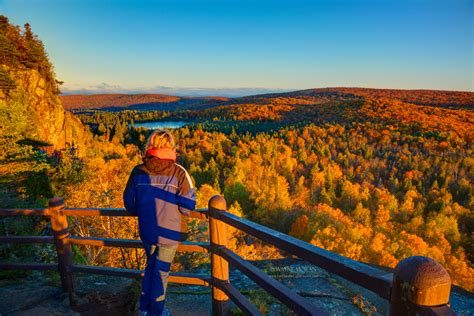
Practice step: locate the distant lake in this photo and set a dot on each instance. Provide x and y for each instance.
(161, 124)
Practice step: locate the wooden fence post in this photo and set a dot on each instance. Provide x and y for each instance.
(61, 241)
(419, 283)
(220, 266)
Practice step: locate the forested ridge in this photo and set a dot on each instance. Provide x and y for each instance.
(137, 101)
(447, 99)
(374, 178)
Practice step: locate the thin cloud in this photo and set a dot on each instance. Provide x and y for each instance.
(104, 88)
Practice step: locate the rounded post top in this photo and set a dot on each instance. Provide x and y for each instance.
(56, 201)
(423, 272)
(217, 202)
(429, 281)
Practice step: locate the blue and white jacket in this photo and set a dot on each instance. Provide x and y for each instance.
(160, 192)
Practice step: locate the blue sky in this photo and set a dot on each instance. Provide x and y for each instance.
(207, 47)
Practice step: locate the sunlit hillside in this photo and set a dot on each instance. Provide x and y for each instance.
(137, 101)
(376, 180)
(457, 99)
(374, 175)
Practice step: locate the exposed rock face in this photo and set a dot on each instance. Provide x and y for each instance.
(52, 124)
(96, 295)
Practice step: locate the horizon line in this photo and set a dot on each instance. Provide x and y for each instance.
(217, 92)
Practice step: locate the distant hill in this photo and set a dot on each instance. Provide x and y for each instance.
(138, 102)
(441, 98)
(449, 99)
(444, 111)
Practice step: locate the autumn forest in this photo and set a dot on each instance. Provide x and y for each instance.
(374, 175)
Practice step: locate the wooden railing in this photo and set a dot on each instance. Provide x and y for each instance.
(418, 286)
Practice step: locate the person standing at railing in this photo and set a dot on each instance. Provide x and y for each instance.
(159, 191)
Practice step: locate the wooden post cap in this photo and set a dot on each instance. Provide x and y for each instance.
(217, 202)
(56, 201)
(423, 281)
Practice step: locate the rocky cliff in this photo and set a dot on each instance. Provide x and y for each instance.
(50, 123)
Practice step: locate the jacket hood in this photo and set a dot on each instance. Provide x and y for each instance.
(156, 165)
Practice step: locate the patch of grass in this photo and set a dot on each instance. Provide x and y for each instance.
(263, 301)
(53, 278)
(357, 298)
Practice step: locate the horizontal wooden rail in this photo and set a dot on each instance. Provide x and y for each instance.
(189, 246)
(104, 242)
(96, 212)
(295, 302)
(131, 243)
(29, 266)
(238, 298)
(199, 214)
(373, 279)
(24, 211)
(26, 239)
(175, 277)
(189, 278)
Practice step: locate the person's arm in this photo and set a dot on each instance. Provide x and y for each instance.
(130, 193)
(186, 196)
